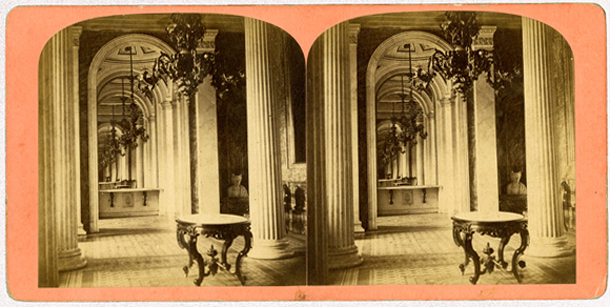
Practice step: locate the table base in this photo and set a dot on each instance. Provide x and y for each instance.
(462, 236)
(187, 239)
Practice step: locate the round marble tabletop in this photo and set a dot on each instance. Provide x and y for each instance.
(489, 217)
(212, 219)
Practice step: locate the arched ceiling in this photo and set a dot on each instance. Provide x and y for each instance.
(114, 77)
(396, 77)
(116, 65)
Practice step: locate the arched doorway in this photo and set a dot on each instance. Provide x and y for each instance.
(106, 85)
(397, 57)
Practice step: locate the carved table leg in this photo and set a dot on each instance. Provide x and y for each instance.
(524, 243)
(475, 257)
(247, 245)
(184, 245)
(225, 247)
(193, 253)
(457, 238)
(503, 242)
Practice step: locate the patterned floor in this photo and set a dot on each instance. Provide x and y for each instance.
(419, 250)
(143, 252)
(413, 249)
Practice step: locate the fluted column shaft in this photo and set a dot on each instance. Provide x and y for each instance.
(342, 250)
(166, 164)
(75, 35)
(264, 159)
(461, 179)
(178, 172)
(419, 161)
(354, 29)
(154, 155)
(317, 207)
(544, 205)
(431, 177)
(139, 159)
(59, 199)
(446, 203)
(395, 167)
(48, 196)
(403, 162)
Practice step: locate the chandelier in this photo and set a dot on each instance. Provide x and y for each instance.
(112, 147)
(129, 122)
(462, 65)
(187, 68)
(405, 128)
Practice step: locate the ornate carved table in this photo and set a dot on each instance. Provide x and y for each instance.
(495, 224)
(225, 227)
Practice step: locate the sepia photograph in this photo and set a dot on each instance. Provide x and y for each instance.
(306, 153)
(172, 145)
(426, 120)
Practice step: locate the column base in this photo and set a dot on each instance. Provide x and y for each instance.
(70, 259)
(81, 233)
(358, 227)
(545, 247)
(344, 257)
(270, 249)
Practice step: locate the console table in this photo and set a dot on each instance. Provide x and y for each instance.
(219, 226)
(495, 224)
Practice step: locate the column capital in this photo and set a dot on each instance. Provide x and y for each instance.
(354, 30)
(208, 44)
(485, 40)
(431, 114)
(75, 32)
(445, 101)
(152, 118)
(166, 104)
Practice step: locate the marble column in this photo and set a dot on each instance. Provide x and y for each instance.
(445, 150)
(545, 212)
(395, 167)
(460, 158)
(75, 33)
(182, 157)
(48, 165)
(207, 136)
(354, 29)
(166, 165)
(178, 172)
(70, 256)
(342, 251)
(485, 151)
(139, 158)
(59, 200)
(154, 154)
(419, 161)
(432, 177)
(402, 156)
(264, 159)
(317, 209)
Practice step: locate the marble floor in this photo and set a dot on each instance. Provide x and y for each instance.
(143, 252)
(419, 250)
(413, 249)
